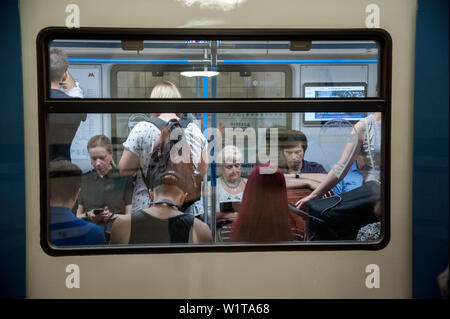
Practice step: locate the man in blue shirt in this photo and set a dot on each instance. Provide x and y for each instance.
(65, 228)
(354, 177)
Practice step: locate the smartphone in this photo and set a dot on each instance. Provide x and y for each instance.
(98, 211)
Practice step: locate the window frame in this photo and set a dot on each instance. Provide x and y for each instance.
(380, 103)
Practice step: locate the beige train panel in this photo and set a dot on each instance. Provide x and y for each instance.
(320, 274)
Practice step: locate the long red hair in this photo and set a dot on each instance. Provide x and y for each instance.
(264, 213)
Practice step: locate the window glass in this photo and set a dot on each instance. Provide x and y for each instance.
(252, 170)
(215, 69)
(153, 141)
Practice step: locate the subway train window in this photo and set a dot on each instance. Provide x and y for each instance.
(252, 141)
(217, 69)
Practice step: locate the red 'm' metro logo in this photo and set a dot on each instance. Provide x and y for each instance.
(91, 75)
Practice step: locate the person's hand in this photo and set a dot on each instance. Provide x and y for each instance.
(302, 203)
(327, 194)
(94, 218)
(69, 83)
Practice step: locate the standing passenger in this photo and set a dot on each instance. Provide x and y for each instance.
(368, 133)
(163, 221)
(141, 141)
(104, 193)
(65, 228)
(62, 126)
(368, 144)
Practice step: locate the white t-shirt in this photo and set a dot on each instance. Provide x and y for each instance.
(141, 142)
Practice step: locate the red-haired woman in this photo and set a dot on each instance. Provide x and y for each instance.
(264, 213)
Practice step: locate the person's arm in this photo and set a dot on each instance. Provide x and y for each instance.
(129, 163)
(128, 195)
(351, 151)
(128, 209)
(202, 233)
(318, 177)
(203, 165)
(306, 180)
(120, 232)
(134, 147)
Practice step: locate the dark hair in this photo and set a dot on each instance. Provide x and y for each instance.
(264, 212)
(292, 138)
(64, 180)
(58, 64)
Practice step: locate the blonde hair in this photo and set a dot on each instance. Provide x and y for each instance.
(230, 153)
(100, 141)
(165, 90)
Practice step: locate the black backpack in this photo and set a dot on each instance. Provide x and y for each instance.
(161, 165)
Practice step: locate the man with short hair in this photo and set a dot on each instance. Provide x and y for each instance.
(299, 173)
(65, 228)
(62, 126)
(163, 221)
(60, 76)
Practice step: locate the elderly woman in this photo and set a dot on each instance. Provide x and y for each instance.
(230, 186)
(104, 193)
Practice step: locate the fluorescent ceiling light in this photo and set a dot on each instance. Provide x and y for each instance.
(191, 74)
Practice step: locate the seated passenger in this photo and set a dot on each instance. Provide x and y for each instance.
(264, 214)
(65, 228)
(229, 187)
(104, 193)
(299, 173)
(163, 222)
(354, 177)
(368, 144)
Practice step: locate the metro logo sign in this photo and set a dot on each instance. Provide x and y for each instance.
(91, 74)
